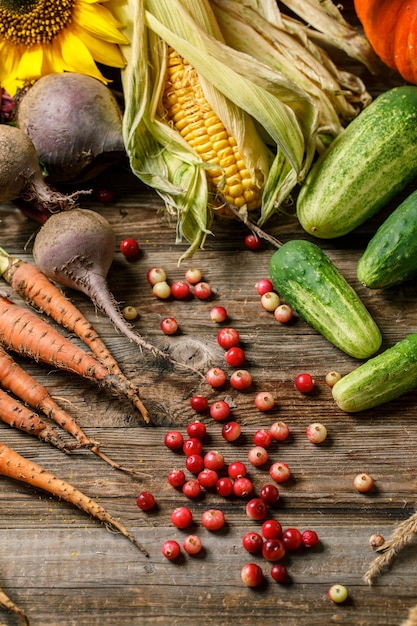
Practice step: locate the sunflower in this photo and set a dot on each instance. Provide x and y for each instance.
(39, 37)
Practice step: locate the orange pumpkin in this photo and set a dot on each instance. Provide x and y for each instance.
(391, 28)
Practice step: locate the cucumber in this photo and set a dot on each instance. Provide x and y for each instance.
(366, 166)
(312, 285)
(383, 378)
(390, 257)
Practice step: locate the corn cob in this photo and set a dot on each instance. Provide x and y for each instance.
(188, 110)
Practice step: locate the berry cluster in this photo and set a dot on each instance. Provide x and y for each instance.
(271, 302)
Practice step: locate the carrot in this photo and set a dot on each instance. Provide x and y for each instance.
(24, 332)
(15, 379)
(41, 293)
(17, 467)
(17, 415)
(8, 604)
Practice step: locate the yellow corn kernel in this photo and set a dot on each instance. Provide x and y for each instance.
(189, 112)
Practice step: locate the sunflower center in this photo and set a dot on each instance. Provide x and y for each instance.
(30, 22)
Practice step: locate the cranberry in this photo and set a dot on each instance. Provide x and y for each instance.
(192, 446)
(237, 469)
(193, 275)
(316, 432)
(338, 593)
(213, 519)
(235, 356)
(194, 463)
(180, 289)
(264, 401)
(256, 509)
(215, 377)
(156, 275)
(231, 431)
(196, 430)
(218, 314)
(224, 486)
(279, 573)
(309, 538)
(258, 456)
(279, 431)
(213, 459)
(145, 501)
(262, 438)
(263, 286)
(161, 290)
(192, 544)
(271, 529)
(363, 483)
(291, 538)
(199, 403)
(270, 301)
(283, 313)
(304, 383)
(202, 291)
(252, 542)
(242, 487)
(129, 248)
(174, 440)
(219, 410)
(280, 472)
(228, 338)
(252, 574)
(273, 549)
(176, 478)
(332, 378)
(105, 195)
(191, 488)
(252, 242)
(169, 325)
(171, 549)
(241, 379)
(269, 494)
(182, 517)
(207, 478)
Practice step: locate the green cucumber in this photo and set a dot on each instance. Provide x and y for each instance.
(312, 285)
(390, 257)
(383, 378)
(366, 166)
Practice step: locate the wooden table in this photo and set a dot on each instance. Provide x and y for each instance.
(66, 569)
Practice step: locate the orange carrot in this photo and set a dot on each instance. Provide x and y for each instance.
(38, 291)
(15, 379)
(8, 604)
(15, 466)
(24, 332)
(17, 415)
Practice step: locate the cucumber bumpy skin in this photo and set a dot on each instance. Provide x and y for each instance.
(390, 257)
(366, 166)
(312, 285)
(381, 379)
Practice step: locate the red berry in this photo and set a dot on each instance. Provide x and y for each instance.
(291, 538)
(218, 314)
(219, 410)
(196, 430)
(145, 501)
(213, 459)
(269, 494)
(182, 517)
(264, 401)
(202, 291)
(258, 456)
(228, 338)
(215, 377)
(252, 242)
(242, 487)
(199, 404)
(174, 440)
(191, 488)
(192, 446)
(171, 549)
(273, 549)
(304, 383)
(224, 486)
(192, 544)
(194, 463)
(271, 529)
(241, 380)
(235, 356)
(129, 248)
(252, 575)
(263, 438)
(252, 542)
(309, 538)
(237, 469)
(208, 478)
(280, 472)
(263, 286)
(279, 431)
(283, 313)
(176, 478)
(180, 289)
(213, 519)
(169, 325)
(256, 509)
(279, 573)
(231, 431)
(105, 195)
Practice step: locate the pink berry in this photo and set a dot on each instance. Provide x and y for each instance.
(252, 542)
(270, 301)
(180, 289)
(316, 432)
(279, 573)
(193, 275)
(192, 544)
(220, 410)
(215, 377)
(145, 501)
(213, 459)
(228, 338)
(280, 472)
(169, 325)
(202, 291)
(218, 314)
(283, 313)
(213, 519)
(182, 517)
(269, 493)
(235, 356)
(263, 438)
(156, 275)
(129, 247)
(304, 383)
(173, 440)
(199, 403)
(231, 431)
(252, 242)
(256, 509)
(171, 549)
(242, 487)
(192, 446)
(279, 431)
(237, 469)
(363, 483)
(271, 529)
(241, 380)
(224, 486)
(258, 456)
(191, 488)
(264, 401)
(309, 538)
(208, 478)
(263, 286)
(273, 549)
(291, 538)
(161, 290)
(176, 478)
(252, 574)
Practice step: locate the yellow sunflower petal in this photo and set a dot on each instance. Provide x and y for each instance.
(30, 65)
(53, 63)
(76, 55)
(99, 21)
(102, 51)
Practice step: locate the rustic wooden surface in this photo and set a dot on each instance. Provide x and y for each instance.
(63, 568)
